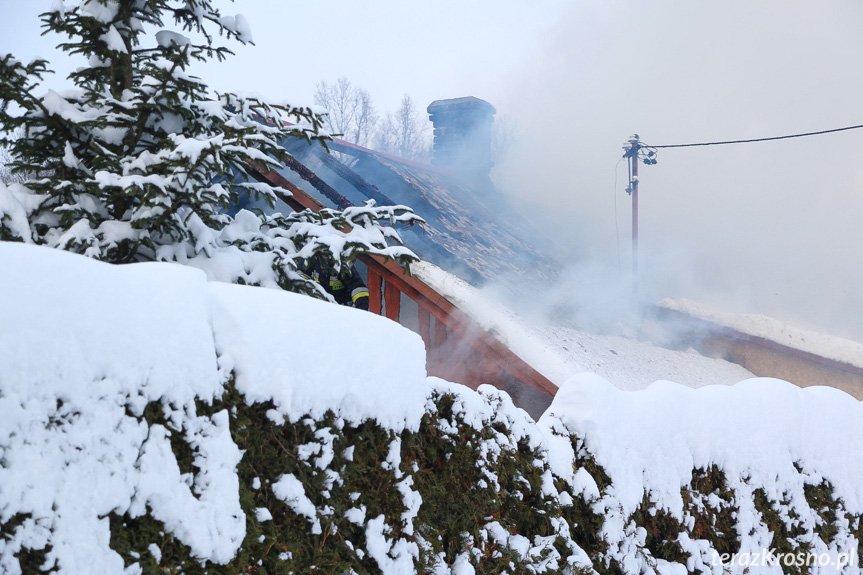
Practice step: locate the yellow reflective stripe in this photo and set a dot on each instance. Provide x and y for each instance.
(358, 295)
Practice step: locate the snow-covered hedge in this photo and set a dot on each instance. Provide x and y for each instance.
(153, 422)
(762, 472)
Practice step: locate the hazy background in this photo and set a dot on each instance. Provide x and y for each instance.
(771, 228)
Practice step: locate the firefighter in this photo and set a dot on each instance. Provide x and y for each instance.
(346, 286)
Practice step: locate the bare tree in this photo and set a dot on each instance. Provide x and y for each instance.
(351, 113)
(405, 133)
(350, 110)
(366, 118)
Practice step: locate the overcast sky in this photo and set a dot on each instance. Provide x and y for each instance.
(427, 49)
(773, 228)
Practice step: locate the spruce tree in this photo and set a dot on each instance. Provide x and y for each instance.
(139, 161)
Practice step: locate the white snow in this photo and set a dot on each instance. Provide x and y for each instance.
(165, 38)
(758, 432)
(155, 552)
(86, 346)
(290, 490)
(393, 557)
(15, 204)
(84, 343)
(57, 104)
(228, 23)
(653, 438)
(58, 7)
(239, 26)
(310, 356)
(144, 327)
(356, 515)
(69, 159)
(114, 40)
(104, 12)
(244, 30)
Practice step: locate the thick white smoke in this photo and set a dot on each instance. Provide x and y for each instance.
(769, 228)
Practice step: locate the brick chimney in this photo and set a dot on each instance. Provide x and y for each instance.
(462, 136)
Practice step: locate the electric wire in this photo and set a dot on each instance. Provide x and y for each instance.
(772, 138)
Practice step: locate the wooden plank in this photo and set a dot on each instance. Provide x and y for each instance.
(392, 299)
(297, 199)
(341, 170)
(324, 188)
(374, 285)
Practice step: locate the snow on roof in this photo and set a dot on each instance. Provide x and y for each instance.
(560, 353)
(757, 325)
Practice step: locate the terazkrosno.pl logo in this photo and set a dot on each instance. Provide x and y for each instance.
(771, 557)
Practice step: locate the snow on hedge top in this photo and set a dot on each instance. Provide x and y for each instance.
(310, 356)
(85, 346)
(152, 326)
(760, 433)
(69, 321)
(756, 431)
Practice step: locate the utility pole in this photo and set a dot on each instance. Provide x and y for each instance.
(633, 151)
(633, 182)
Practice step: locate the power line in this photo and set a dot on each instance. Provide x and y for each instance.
(758, 139)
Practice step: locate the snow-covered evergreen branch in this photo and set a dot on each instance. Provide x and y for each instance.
(139, 161)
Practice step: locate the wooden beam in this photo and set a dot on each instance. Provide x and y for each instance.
(305, 149)
(324, 188)
(374, 285)
(297, 199)
(392, 300)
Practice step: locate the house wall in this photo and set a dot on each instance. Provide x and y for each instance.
(763, 357)
(767, 359)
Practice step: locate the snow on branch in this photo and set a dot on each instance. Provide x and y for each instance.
(139, 163)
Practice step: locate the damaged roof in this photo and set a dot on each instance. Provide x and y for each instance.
(470, 230)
